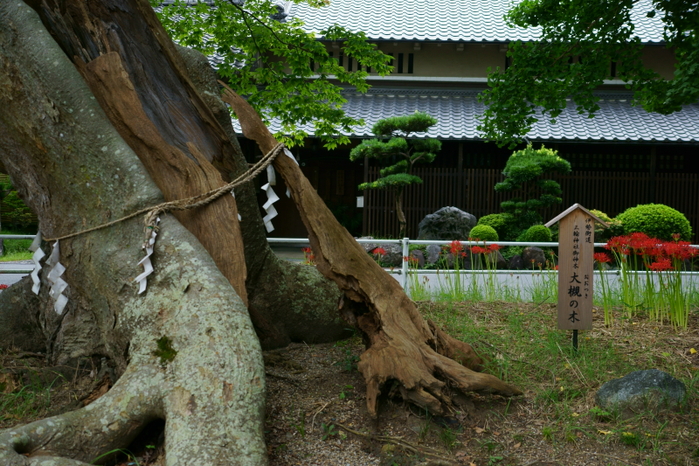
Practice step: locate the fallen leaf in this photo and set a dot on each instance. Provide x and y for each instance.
(517, 445)
(692, 351)
(604, 432)
(479, 430)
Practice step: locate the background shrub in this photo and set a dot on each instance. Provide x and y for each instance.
(657, 221)
(604, 234)
(504, 224)
(536, 233)
(484, 233)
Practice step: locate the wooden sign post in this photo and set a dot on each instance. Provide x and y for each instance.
(576, 240)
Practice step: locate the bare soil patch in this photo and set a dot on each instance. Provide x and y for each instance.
(316, 411)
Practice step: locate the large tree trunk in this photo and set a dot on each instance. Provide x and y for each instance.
(75, 171)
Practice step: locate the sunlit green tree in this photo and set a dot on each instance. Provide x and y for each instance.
(580, 40)
(284, 72)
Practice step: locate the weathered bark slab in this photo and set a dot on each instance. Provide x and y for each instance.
(401, 345)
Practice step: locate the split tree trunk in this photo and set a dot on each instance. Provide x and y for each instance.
(401, 345)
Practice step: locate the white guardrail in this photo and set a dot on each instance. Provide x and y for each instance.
(516, 281)
(15, 268)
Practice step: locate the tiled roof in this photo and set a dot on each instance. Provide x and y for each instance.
(456, 113)
(441, 20)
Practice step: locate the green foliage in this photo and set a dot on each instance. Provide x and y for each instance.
(536, 233)
(580, 39)
(604, 234)
(657, 221)
(283, 71)
(18, 215)
(523, 173)
(504, 224)
(484, 233)
(396, 180)
(395, 148)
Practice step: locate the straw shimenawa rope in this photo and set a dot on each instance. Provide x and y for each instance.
(153, 212)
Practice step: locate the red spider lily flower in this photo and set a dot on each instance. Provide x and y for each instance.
(478, 250)
(661, 265)
(555, 267)
(379, 251)
(680, 250)
(642, 244)
(463, 254)
(306, 250)
(4, 286)
(601, 257)
(493, 248)
(676, 236)
(618, 244)
(455, 247)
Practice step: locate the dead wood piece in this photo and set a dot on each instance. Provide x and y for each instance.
(401, 345)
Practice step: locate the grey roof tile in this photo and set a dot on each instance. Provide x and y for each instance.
(441, 20)
(456, 112)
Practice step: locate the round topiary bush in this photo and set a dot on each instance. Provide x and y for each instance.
(484, 233)
(657, 221)
(504, 224)
(536, 233)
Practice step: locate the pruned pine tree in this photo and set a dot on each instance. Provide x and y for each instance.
(525, 179)
(395, 148)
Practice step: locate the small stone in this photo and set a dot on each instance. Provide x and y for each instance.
(516, 263)
(433, 251)
(647, 389)
(419, 256)
(534, 258)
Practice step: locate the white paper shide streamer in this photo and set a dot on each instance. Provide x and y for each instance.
(58, 285)
(291, 156)
(271, 199)
(145, 262)
(36, 257)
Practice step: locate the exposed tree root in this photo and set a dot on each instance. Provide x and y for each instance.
(401, 345)
(109, 423)
(401, 442)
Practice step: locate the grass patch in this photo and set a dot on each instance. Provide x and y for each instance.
(15, 249)
(522, 345)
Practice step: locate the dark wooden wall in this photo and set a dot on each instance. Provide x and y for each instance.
(472, 190)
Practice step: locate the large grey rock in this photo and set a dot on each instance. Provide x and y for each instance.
(648, 389)
(448, 223)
